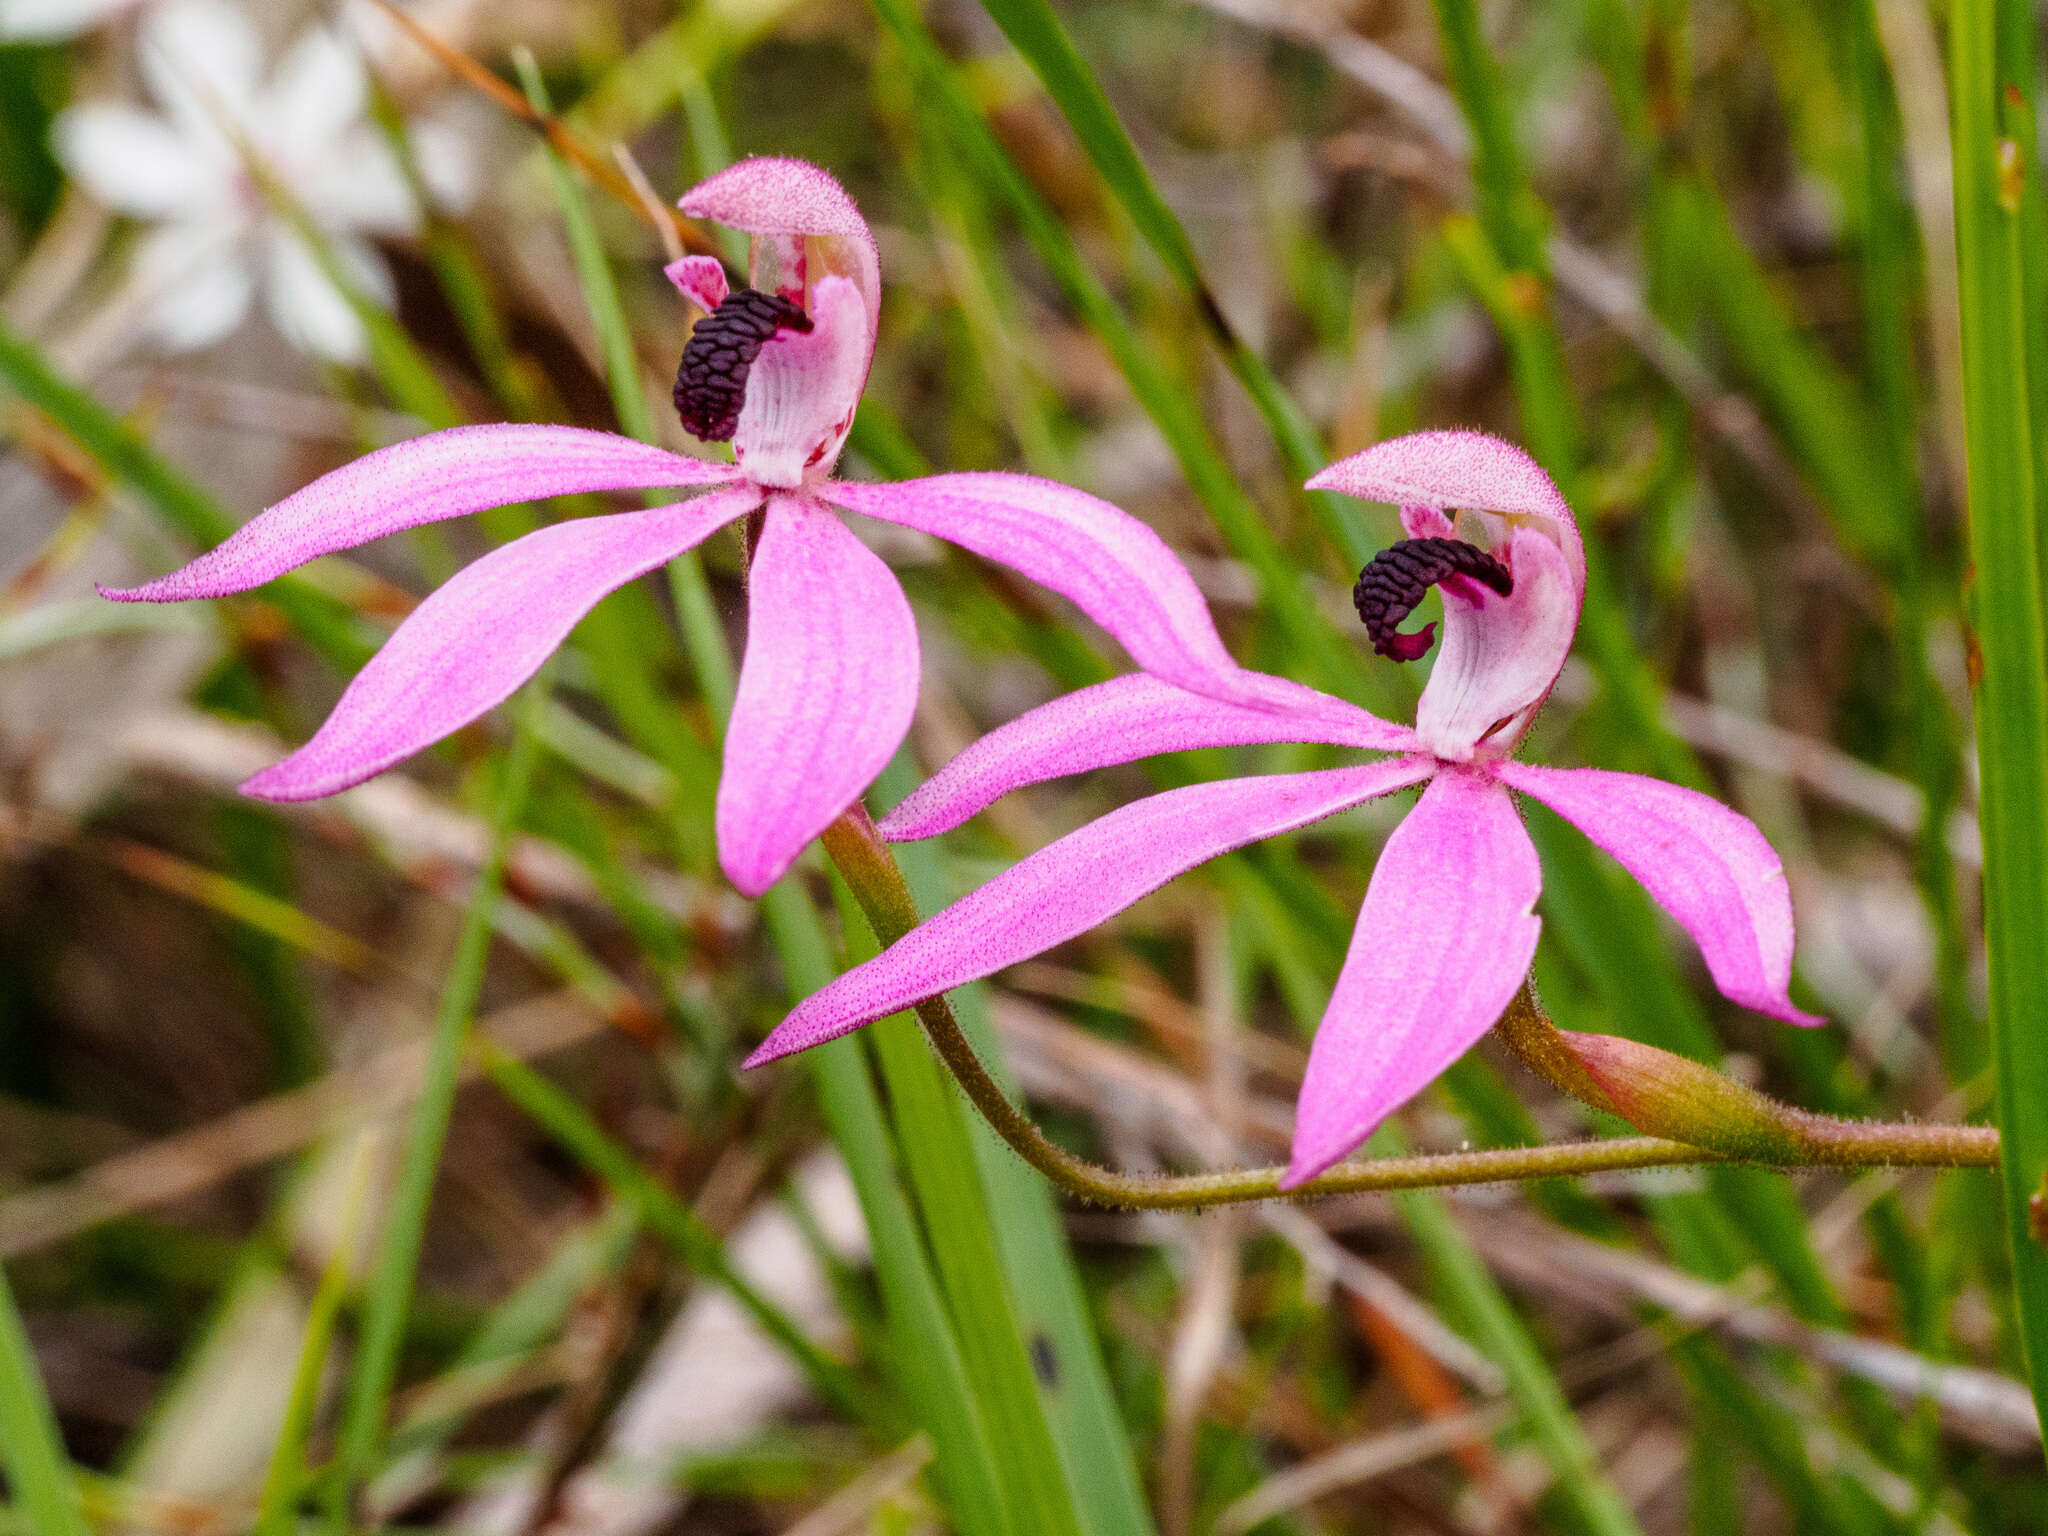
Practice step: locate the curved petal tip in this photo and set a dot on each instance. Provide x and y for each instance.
(1447, 469)
(770, 195)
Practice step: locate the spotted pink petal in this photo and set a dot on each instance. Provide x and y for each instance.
(1444, 939)
(802, 391)
(778, 201)
(481, 634)
(700, 279)
(1121, 721)
(1114, 568)
(826, 692)
(1499, 655)
(1708, 866)
(423, 480)
(1070, 886)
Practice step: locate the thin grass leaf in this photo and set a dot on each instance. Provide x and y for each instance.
(31, 1449)
(1035, 30)
(123, 453)
(2012, 690)
(277, 1508)
(388, 1292)
(702, 631)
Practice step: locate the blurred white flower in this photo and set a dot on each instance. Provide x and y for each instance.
(43, 21)
(182, 169)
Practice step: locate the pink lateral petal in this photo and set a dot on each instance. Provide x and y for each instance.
(826, 692)
(1111, 566)
(1445, 937)
(1708, 866)
(1069, 886)
(1500, 655)
(700, 279)
(1121, 721)
(802, 391)
(482, 633)
(423, 480)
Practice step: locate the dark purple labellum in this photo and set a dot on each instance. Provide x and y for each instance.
(711, 382)
(1393, 583)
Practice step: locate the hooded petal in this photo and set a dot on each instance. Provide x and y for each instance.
(1070, 886)
(480, 635)
(1444, 939)
(1708, 866)
(1121, 721)
(1448, 470)
(1114, 568)
(802, 391)
(1499, 654)
(803, 216)
(826, 691)
(423, 480)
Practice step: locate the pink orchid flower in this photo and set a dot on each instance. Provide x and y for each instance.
(1448, 927)
(830, 675)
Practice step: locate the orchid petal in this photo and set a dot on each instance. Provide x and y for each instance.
(1070, 886)
(1708, 866)
(802, 390)
(827, 689)
(700, 279)
(1114, 568)
(423, 480)
(1121, 721)
(1499, 655)
(1447, 470)
(481, 634)
(1443, 940)
(777, 199)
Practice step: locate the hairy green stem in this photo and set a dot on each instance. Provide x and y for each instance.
(878, 884)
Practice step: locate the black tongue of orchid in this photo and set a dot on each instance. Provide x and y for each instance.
(1393, 583)
(711, 381)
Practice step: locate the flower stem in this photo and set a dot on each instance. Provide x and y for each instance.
(878, 884)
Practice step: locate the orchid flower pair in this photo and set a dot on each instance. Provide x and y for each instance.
(830, 674)
(829, 678)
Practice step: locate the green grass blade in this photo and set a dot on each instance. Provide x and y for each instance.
(2012, 694)
(945, 1180)
(679, 1227)
(31, 1449)
(926, 1357)
(123, 453)
(699, 615)
(1284, 594)
(387, 1298)
(277, 1509)
(1035, 30)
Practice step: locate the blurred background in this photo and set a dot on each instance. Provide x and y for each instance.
(1697, 257)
